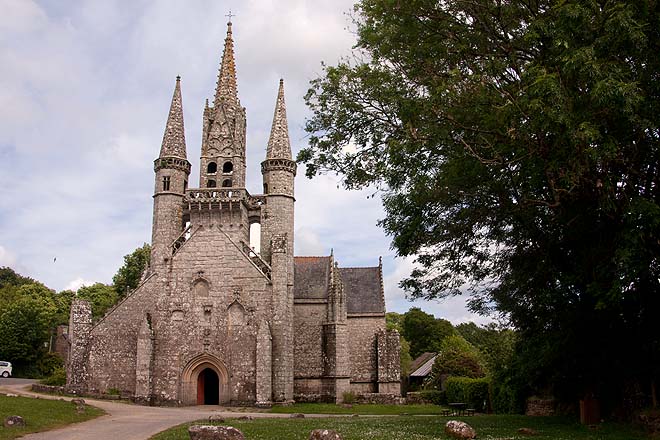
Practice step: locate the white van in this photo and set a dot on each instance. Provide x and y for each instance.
(5, 369)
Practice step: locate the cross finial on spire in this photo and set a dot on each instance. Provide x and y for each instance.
(226, 85)
(230, 15)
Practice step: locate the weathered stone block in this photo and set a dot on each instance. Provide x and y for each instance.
(324, 434)
(460, 430)
(14, 422)
(208, 432)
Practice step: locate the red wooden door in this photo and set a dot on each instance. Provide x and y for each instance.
(200, 389)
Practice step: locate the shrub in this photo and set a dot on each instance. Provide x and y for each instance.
(349, 397)
(57, 378)
(505, 399)
(474, 392)
(48, 364)
(436, 397)
(113, 391)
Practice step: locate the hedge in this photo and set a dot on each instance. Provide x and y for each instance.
(474, 392)
(436, 397)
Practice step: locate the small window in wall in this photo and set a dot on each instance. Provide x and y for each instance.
(226, 183)
(212, 168)
(210, 184)
(265, 188)
(185, 185)
(228, 168)
(166, 183)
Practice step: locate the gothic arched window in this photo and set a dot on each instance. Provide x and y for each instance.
(210, 184)
(228, 168)
(226, 183)
(212, 168)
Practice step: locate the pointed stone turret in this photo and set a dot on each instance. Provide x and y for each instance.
(174, 139)
(279, 146)
(279, 173)
(226, 88)
(171, 181)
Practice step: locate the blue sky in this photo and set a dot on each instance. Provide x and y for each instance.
(84, 95)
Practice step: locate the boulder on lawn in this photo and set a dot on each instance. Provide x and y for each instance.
(324, 434)
(216, 419)
(297, 416)
(14, 421)
(214, 432)
(460, 430)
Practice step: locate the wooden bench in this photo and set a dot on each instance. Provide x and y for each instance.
(445, 412)
(469, 412)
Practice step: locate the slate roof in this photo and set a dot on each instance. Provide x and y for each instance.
(362, 286)
(421, 367)
(311, 277)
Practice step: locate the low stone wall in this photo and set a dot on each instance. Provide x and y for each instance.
(39, 388)
(537, 406)
(379, 398)
(50, 389)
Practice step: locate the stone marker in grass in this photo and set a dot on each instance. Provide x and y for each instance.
(214, 432)
(460, 430)
(324, 434)
(14, 421)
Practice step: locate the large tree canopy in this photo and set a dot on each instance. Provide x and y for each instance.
(516, 147)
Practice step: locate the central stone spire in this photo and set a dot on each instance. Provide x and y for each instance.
(226, 89)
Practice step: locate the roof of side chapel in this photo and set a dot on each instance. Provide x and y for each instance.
(362, 285)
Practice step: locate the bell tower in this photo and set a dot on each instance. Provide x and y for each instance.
(222, 162)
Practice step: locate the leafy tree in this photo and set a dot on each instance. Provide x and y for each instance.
(516, 147)
(128, 276)
(8, 277)
(101, 297)
(459, 358)
(24, 330)
(394, 321)
(423, 331)
(497, 345)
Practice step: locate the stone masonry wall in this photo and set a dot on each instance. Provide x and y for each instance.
(308, 342)
(214, 302)
(363, 350)
(113, 342)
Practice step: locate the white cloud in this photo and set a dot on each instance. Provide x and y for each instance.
(77, 284)
(6, 258)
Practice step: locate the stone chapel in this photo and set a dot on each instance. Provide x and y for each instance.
(216, 322)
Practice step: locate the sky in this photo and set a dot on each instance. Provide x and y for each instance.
(85, 89)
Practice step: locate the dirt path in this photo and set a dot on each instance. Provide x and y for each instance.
(123, 421)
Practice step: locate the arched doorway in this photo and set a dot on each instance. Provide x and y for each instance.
(204, 381)
(208, 387)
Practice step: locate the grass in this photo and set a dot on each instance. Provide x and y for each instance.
(418, 428)
(383, 410)
(40, 414)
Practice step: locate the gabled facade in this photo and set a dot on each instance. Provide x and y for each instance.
(216, 322)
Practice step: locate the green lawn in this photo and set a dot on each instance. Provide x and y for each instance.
(417, 428)
(40, 414)
(331, 408)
